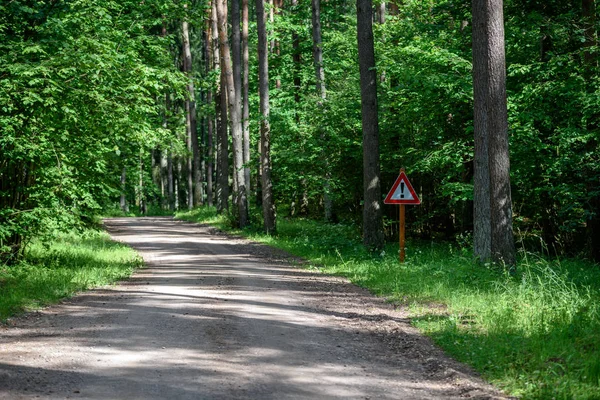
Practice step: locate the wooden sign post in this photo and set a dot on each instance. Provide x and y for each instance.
(402, 193)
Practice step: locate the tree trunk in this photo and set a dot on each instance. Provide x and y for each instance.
(170, 182)
(381, 13)
(210, 126)
(123, 202)
(268, 204)
(590, 69)
(373, 237)
(141, 191)
(321, 91)
(221, 119)
(164, 180)
(193, 163)
(234, 107)
(245, 99)
(318, 48)
(492, 231)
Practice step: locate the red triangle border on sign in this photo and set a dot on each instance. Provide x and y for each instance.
(402, 177)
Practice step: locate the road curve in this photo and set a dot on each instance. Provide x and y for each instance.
(214, 317)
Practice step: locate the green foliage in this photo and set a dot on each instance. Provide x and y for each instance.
(53, 270)
(426, 117)
(536, 333)
(78, 88)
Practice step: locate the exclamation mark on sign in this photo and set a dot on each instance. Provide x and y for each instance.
(401, 190)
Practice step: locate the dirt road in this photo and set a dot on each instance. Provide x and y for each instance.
(213, 317)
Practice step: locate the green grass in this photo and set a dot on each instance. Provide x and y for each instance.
(535, 334)
(69, 264)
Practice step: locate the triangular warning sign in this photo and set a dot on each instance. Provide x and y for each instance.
(402, 192)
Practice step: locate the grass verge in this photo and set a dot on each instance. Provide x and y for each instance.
(71, 263)
(535, 334)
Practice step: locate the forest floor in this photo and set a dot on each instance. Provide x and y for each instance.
(220, 317)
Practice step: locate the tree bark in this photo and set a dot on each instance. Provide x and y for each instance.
(123, 202)
(322, 92)
(209, 123)
(245, 98)
(492, 230)
(381, 13)
(164, 179)
(268, 204)
(170, 182)
(590, 70)
(373, 237)
(234, 107)
(318, 48)
(221, 121)
(193, 158)
(141, 190)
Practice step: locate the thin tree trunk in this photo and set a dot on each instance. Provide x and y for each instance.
(381, 13)
(210, 126)
(221, 121)
(193, 159)
(164, 181)
(268, 204)
(123, 202)
(318, 48)
(590, 69)
(296, 58)
(155, 166)
(141, 194)
(321, 91)
(178, 187)
(223, 147)
(234, 106)
(492, 230)
(245, 99)
(372, 212)
(170, 182)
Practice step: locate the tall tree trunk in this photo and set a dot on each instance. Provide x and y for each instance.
(296, 59)
(234, 107)
(164, 180)
(268, 203)
(321, 91)
(297, 70)
(372, 212)
(223, 146)
(221, 121)
(193, 157)
(141, 191)
(209, 119)
(590, 68)
(245, 98)
(492, 230)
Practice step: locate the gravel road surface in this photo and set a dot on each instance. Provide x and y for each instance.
(219, 317)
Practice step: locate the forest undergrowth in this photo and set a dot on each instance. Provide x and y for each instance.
(60, 267)
(534, 333)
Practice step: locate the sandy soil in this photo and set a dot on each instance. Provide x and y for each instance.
(218, 317)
